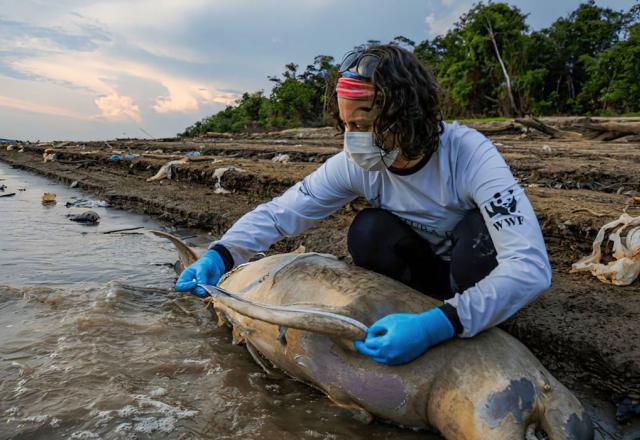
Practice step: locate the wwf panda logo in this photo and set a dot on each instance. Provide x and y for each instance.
(502, 204)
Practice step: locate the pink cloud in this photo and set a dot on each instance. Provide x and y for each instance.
(97, 72)
(115, 107)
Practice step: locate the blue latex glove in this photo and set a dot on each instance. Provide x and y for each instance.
(206, 270)
(401, 337)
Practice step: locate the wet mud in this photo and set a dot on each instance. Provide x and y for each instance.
(96, 344)
(584, 331)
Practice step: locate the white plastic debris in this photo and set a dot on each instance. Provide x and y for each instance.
(626, 267)
(547, 149)
(167, 170)
(217, 174)
(281, 158)
(48, 155)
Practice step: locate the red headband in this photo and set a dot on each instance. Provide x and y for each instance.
(350, 88)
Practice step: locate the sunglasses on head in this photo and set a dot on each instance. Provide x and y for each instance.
(359, 64)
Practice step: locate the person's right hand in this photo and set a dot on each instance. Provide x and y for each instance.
(207, 270)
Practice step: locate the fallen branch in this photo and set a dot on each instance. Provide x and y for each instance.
(495, 127)
(590, 212)
(122, 230)
(555, 133)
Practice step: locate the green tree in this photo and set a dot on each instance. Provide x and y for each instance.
(487, 64)
(478, 60)
(572, 41)
(613, 83)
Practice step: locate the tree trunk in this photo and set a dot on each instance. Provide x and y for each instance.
(507, 78)
(324, 102)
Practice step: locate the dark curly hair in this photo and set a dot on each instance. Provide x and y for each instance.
(407, 94)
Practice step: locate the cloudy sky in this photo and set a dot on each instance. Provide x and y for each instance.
(96, 69)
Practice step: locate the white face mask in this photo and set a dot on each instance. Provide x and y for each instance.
(362, 151)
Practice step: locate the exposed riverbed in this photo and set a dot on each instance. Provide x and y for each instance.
(83, 358)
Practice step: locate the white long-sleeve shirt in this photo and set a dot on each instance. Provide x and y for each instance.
(466, 172)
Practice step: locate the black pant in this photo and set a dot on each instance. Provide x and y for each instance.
(380, 241)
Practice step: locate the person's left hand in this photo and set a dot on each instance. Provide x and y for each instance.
(401, 337)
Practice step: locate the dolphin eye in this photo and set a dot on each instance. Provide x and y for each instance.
(381, 332)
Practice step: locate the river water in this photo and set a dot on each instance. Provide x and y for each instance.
(81, 358)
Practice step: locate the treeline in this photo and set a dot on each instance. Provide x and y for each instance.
(489, 64)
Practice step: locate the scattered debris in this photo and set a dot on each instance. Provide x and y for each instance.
(22, 189)
(85, 203)
(547, 149)
(48, 155)
(8, 195)
(626, 267)
(48, 198)
(281, 158)
(123, 230)
(301, 133)
(3, 187)
(167, 170)
(87, 217)
(21, 150)
(217, 174)
(73, 184)
(192, 154)
(126, 156)
(10, 147)
(216, 134)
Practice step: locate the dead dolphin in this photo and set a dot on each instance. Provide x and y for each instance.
(488, 387)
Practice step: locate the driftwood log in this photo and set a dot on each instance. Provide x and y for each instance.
(497, 127)
(607, 131)
(537, 124)
(584, 128)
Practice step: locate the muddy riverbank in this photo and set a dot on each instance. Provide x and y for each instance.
(585, 332)
(83, 357)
